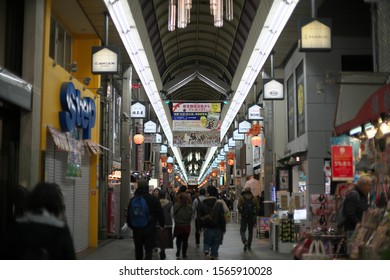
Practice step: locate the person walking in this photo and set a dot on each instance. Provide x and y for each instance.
(212, 216)
(195, 207)
(144, 211)
(182, 213)
(248, 206)
(42, 232)
(356, 202)
(168, 211)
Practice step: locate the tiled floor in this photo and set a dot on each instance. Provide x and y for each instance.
(232, 249)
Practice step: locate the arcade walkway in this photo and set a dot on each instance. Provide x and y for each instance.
(232, 249)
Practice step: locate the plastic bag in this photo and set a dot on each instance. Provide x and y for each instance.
(316, 251)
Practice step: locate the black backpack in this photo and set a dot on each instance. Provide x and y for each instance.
(209, 218)
(248, 208)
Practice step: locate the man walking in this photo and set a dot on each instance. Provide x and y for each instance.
(144, 211)
(247, 206)
(195, 206)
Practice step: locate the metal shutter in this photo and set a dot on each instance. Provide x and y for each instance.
(75, 191)
(82, 206)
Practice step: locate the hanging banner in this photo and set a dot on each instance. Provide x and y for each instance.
(196, 124)
(342, 163)
(315, 35)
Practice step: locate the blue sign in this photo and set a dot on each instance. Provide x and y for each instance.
(77, 111)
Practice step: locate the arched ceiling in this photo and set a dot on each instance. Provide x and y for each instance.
(201, 53)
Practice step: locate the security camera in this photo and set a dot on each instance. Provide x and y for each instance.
(125, 116)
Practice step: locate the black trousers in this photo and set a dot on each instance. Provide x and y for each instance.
(144, 239)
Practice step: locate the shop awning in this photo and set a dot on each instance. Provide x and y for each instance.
(362, 98)
(61, 140)
(15, 90)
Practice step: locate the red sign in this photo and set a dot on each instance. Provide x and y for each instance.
(342, 163)
(136, 85)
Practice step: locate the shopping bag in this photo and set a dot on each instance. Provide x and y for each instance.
(125, 231)
(302, 248)
(164, 238)
(316, 251)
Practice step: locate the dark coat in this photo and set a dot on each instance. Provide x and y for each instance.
(155, 211)
(206, 205)
(354, 205)
(41, 238)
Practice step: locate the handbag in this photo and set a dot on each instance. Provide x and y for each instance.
(316, 251)
(164, 238)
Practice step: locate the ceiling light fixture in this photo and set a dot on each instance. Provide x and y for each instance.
(123, 19)
(277, 18)
(181, 10)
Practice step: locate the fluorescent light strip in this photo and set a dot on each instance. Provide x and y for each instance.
(209, 156)
(123, 20)
(179, 160)
(277, 18)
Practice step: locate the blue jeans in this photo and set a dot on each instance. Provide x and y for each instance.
(212, 239)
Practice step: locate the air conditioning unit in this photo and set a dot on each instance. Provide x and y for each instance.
(238, 173)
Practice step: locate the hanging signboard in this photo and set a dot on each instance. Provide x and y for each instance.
(315, 35)
(273, 89)
(158, 138)
(238, 136)
(342, 163)
(138, 110)
(231, 143)
(254, 113)
(244, 126)
(105, 60)
(150, 127)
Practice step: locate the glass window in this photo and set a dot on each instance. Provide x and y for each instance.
(60, 49)
(52, 46)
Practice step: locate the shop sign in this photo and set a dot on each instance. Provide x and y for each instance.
(342, 163)
(163, 149)
(138, 110)
(105, 60)
(315, 35)
(254, 113)
(238, 136)
(77, 111)
(244, 126)
(150, 127)
(273, 89)
(158, 138)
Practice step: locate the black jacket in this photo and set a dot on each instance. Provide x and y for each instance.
(155, 211)
(354, 205)
(38, 237)
(206, 206)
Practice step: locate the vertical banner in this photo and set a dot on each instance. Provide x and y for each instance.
(342, 163)
(291, 108)
(300, 92)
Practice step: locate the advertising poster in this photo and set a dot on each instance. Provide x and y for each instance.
(342, 163)
(196, 124)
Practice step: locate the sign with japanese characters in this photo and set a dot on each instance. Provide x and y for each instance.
(342, 163)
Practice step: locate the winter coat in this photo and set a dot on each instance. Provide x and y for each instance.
(167, 210)
(38, 236)
(155, 211)
(355, 204)
(219, 221)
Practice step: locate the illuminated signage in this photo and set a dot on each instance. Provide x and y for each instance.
(316, 35)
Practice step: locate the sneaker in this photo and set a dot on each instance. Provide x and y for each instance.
(213, 258)
(245, 247)
(197, 245)
(178, 254)
(249, 247)
(162, 256)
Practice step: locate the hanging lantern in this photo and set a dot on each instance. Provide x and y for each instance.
(214, 173)
(164, 164)
(138, 139)
(231, 161)
(169, 170)
(222, 166)
(256, 141)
